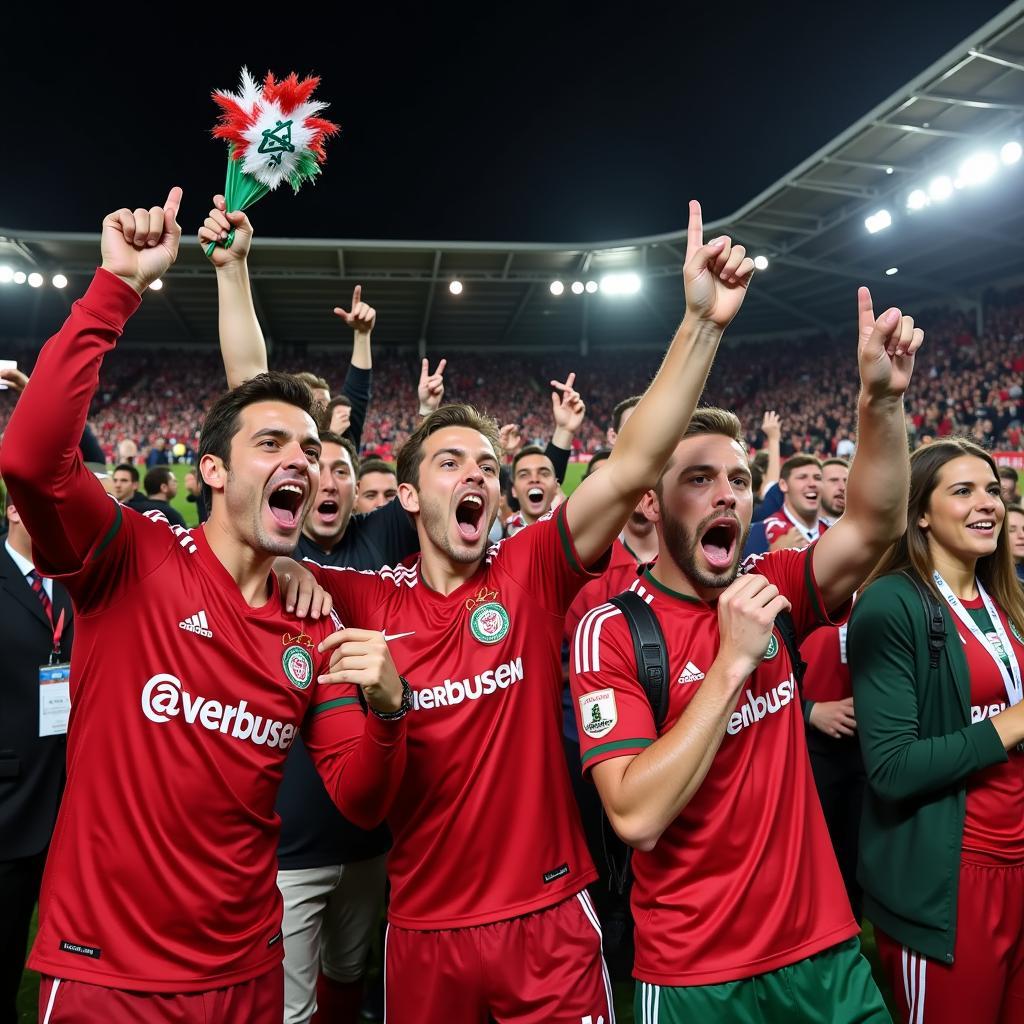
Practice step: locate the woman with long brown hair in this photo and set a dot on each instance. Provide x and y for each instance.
(936, 652)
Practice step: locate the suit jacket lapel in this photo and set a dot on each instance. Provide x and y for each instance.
(17, 586)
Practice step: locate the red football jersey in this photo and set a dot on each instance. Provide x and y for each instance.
(828, 674)
(184, 702)
(485, 825)
(622, 570)
(744, 881)
(993, 824)
(778, 524)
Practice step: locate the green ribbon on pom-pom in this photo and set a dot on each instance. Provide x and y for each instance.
(240, 192)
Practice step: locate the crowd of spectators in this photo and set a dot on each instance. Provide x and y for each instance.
(966, 384)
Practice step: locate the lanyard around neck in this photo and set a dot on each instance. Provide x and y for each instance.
(1011, 676)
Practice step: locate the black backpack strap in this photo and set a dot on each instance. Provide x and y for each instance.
(934, 617)
(787, 630)
(649, 648)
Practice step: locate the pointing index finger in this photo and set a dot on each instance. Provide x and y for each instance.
(865, 311)
(695, 229)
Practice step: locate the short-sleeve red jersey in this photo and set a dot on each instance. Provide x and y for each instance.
(484, 822)
(744, 881)
(993, 823)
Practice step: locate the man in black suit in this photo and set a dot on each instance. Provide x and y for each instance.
(161, 485)
(31, 768)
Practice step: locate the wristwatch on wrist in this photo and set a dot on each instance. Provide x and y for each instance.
(403, 708)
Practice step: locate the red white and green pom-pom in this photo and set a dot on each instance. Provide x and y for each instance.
(273, 130)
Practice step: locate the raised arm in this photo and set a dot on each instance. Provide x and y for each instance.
(66, 510)
(242, 346)
(772, 427)
(568, 410)
(358, 386)
(879, 484)
(715, 276)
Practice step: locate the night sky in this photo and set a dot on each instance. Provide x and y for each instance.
(552, 122)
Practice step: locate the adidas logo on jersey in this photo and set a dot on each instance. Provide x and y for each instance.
(690, 674)
(197, 624)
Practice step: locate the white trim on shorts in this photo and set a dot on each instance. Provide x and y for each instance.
(650, 1002)
(49, 1002)
(914, 984)
(591, 913)
(387, 931)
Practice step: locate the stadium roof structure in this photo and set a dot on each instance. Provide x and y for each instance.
(810, 225)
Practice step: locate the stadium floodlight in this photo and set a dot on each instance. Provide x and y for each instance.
(20, 277)
(455, 287)
(760, 262)
(577, 287)
(878, 221)
(35, 280)
(59, 281)
(591, 287)
(978, 168)
(918, 199)
(1011, 153)
(940, 188)
(556, 287)
(890, 170)
(620, 284)
(157, 284)
(891, 271)
(6, 274)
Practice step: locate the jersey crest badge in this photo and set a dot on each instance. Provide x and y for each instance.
(489, 623)
(298, 666)
(598, 713)
(1016, 632)
(773, 649)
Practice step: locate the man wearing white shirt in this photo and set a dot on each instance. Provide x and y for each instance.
(31, 766)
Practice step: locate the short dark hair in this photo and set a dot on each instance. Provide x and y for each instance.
(333, 438)
(1009, 473)
(708, 420)
(596, 459)
(375, 466)
(156, 478)
(623, 406)
(836, 461)
(410, 455)
(325, 416)
(1015, 507)
(221, 422)
(530, 449)
(127, 467)
(797, 462)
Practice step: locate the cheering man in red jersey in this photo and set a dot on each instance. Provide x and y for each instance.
(740, 909)
(188, 682)
(489, 913)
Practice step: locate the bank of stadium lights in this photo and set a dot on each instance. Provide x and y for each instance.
(6, 274)
(59, 281)
(620, 284)
(878, 221)
(455, 287)
(611, 284)
(20, 277)
(977, 169)
(760, 262)
(35, 280)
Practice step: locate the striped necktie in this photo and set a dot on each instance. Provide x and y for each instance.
(35, 581)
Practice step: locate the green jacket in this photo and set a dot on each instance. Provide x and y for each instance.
(919, 750)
